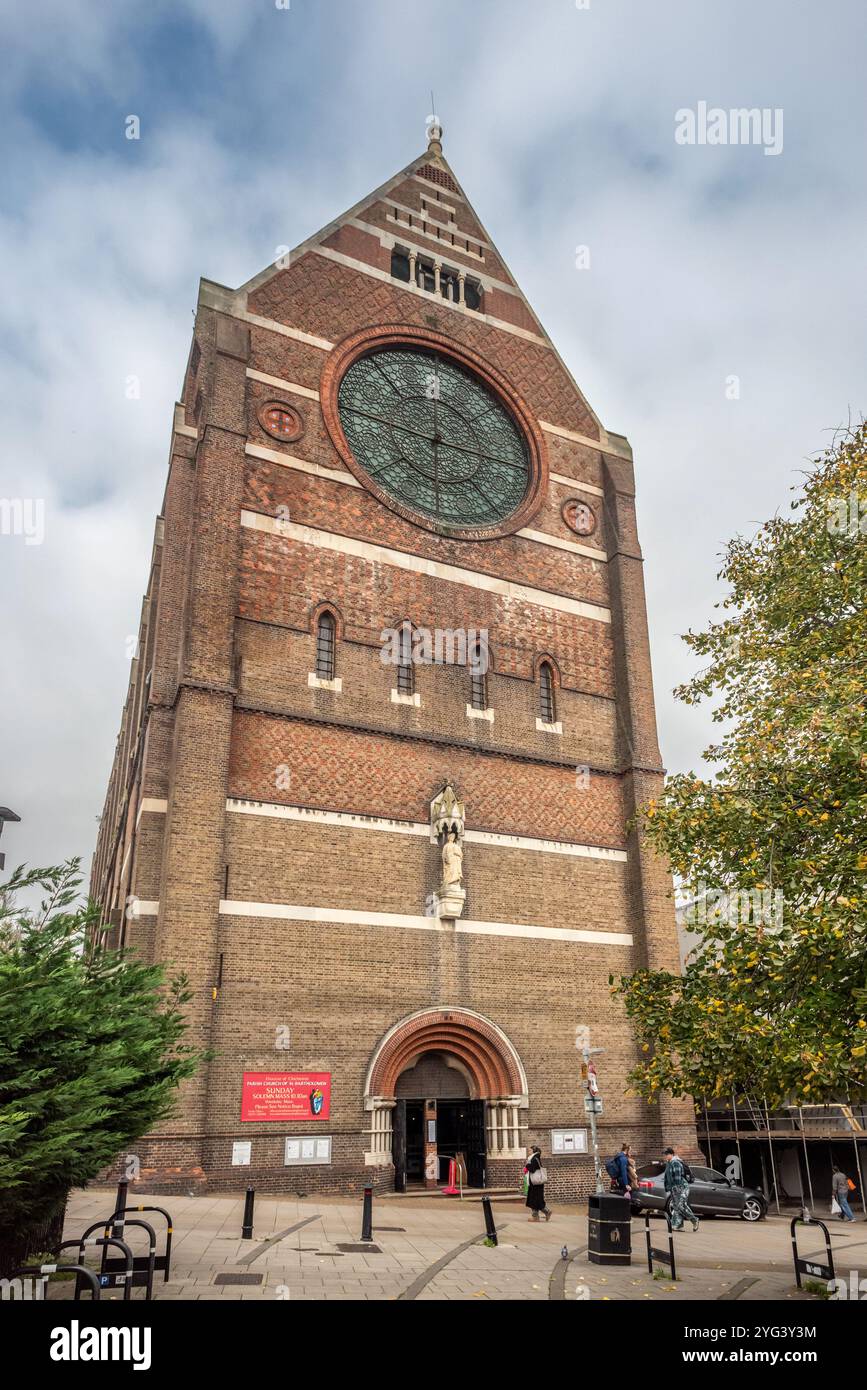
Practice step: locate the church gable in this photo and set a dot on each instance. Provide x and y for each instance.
(323, 296)
(419, 235)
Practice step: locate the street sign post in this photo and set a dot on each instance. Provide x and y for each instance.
(593, 1106)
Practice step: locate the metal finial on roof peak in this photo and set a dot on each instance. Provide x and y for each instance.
(434, 132)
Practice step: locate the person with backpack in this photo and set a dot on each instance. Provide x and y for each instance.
(536, 1176)
(677, 1180)
(617, 1167)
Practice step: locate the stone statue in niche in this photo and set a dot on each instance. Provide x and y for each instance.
(447, 830)
(453, 861)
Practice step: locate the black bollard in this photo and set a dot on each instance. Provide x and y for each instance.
(489, 1220)
(247, 1228)
(119, 1204)
(367, 1215)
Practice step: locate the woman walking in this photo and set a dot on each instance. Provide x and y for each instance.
(631, 1169)
(536, 1178)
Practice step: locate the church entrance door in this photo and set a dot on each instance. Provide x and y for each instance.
(461, 1130)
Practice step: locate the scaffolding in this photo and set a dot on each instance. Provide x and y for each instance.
(818, 1136)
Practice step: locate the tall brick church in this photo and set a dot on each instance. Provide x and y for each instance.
(389, 718)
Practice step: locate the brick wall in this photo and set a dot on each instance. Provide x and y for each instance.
(230, 704)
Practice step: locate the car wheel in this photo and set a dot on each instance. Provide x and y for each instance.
(753, 1210)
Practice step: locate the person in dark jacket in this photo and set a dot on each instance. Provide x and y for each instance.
(676, 1184)
(535, 1191)
(625, 1163)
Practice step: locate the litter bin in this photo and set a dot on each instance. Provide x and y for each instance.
(609, 1229)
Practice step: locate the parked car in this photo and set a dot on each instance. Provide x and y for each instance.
(710, 1194)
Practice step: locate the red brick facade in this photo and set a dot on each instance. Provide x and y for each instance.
(269, 832)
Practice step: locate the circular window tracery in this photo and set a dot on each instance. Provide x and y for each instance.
(433, 432)
(434, 437)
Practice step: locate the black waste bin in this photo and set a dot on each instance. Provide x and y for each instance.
(609, 1229)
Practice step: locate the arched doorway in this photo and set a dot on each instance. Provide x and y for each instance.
(434, 1091)
(444, 1082)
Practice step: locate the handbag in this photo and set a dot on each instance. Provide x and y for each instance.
(539, 1177)
(836, 1209)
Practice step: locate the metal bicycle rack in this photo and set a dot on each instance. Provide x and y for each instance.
(812, 1267)
(161, 1263)
(663, 1256)
(79, 1271)
(115, 1273)
(125, 1279)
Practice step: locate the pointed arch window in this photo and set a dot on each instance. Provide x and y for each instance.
(547, 707)
(326, 647)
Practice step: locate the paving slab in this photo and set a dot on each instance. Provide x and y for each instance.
(439, 1253)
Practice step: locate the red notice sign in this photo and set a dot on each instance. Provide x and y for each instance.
(286, 1095)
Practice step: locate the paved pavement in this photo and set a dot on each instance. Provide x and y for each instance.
(431, 1248)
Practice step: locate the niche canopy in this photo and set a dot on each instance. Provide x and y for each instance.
(434, 434)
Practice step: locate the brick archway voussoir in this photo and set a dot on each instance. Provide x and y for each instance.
(488, 1076)
(489, 1058)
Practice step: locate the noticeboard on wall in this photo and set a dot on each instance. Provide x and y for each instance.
(569, 1141)
(306, 1148)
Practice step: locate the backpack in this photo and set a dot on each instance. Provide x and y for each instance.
(687, 1171)
(612, 1168)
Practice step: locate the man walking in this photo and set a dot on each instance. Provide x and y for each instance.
(677, 1185)
(840, 1190)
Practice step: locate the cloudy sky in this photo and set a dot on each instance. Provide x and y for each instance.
(259, 122)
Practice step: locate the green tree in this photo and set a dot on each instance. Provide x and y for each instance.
(774, 841)
(91, 1051)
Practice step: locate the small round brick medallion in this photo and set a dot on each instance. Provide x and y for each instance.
(579, 517)
(281, 421)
